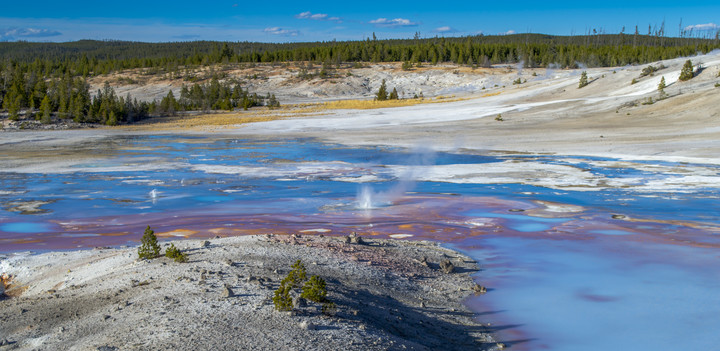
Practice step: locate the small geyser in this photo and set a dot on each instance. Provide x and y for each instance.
(153, 196)
(368, 199)
(365, 197)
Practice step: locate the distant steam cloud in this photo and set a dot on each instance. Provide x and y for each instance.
(317, 16)
(397, 22)
(280, 31)
(446, 29)
(23, 33)
(703, 27)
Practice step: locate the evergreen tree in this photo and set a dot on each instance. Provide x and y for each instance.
(149, 247)
(45, 110)
(687, 71)
(661, 86)
(393, 95)
(14, 106)
(112, 119)
(382, 93)
(583, 80)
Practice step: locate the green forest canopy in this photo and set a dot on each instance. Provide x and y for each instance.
(51, 76)
(535, 50)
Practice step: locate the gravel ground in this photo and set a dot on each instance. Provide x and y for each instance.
(390, 295)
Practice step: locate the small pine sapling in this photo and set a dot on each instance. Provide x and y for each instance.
(282, 299)
(382, 93)
(583, 80)
(661, 87)
(393, 95)
(687, 71)
(149, 247)
(175, 253)
(296, 276)
(315, 289)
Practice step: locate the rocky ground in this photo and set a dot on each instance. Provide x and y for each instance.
(390, 295)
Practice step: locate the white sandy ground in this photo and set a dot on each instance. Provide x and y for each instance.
(107, 299)
(546, 115)
(549, 116)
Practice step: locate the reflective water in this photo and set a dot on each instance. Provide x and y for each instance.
(577, 252)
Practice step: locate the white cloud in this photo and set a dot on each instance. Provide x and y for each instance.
(17, 33)
(507, 33)
(445, 29)
(702, 27)
(317, 16)
(397, 22)
(280, 31)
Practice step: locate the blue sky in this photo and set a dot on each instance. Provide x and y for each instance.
(291, 21)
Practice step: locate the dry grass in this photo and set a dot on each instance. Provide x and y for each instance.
(214, 121)
(204, 121)
(492, 94)
(372, 104)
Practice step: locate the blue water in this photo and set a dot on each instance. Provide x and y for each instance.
(644, 280)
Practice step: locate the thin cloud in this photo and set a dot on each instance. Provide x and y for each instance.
(280, 31)
(445, 29)
(17, 33)
(397, 22)
(702, 27)
(507, 33)
(317, 16)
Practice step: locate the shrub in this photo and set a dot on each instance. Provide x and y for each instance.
(583, 80)
(175, 253)
(687, 71)
(296, 276)
(149, 247)
(282, 299)
(634, 81)
(406, 66)
(315, 289)
(650, 70)
(328, 308)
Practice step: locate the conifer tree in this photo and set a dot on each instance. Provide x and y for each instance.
(393, 95)
(149, 247)
(583, 80)
(45, 110)
(382, 93)
(687, 71)
(661, 86)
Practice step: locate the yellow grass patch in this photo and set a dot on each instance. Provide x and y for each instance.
(371, 104)
(213, 121)
(492, 94)
(205, 121)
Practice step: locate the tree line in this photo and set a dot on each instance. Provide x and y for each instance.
(87, 57)
(213, 95)
(29, 94)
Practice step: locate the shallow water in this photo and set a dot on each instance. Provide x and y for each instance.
(577, 252)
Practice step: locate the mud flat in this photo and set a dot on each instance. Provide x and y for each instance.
(390, 294)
